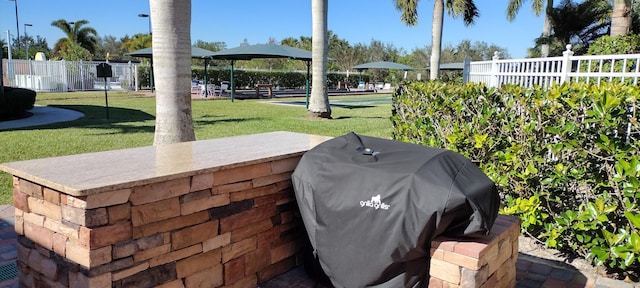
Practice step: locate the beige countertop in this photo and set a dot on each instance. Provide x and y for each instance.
(90, 173)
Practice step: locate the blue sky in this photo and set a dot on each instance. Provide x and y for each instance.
(357, 21)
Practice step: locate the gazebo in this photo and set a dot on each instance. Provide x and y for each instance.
(249, 52)
(196, 52)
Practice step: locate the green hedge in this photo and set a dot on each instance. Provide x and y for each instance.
(246, 79)
(15, 101)
(565, 160)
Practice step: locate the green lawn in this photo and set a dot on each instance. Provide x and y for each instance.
(131, 124)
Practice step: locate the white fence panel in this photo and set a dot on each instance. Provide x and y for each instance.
(545, 72)
(64, 76)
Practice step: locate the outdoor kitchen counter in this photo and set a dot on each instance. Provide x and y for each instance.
(207, 213)
(86, 174)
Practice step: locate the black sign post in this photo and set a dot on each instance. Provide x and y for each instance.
(104, 70)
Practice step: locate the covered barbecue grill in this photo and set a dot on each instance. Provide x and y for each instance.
(372, 206)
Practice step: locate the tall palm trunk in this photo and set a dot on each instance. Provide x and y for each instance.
(546, 32)
(319, 102)
(436, 38)
(621, 17)
(172, 70)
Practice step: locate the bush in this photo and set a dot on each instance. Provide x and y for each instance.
(621, 44)
(15, 101)
(248, 79)
(565, 160)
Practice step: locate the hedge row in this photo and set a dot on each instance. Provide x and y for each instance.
(565, 159)
(248, 79)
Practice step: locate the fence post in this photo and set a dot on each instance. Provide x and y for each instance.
(494, 70)
(466, 70)
(566, 64)
(64, 76)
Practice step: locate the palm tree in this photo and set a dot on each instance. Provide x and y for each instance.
(621, 17)
(172, 70)
(86, 37)
(319, 99)
(465, 8)
(578, 24)
(536, 5)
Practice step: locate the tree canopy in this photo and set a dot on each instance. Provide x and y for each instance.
(84, 37)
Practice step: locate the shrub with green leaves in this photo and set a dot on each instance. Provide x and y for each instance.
(565, 159)
(621, 44)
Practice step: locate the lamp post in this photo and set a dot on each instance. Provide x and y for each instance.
(146, 16)
(9, 44)
(142, 15)
(17, 24)
(26, 39)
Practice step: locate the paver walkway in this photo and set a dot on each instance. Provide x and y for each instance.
(532, 272)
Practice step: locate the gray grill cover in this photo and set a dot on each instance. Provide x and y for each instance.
(372, 206)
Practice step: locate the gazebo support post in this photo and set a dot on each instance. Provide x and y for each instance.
(307, 84)
(206, 91)
(233, 87)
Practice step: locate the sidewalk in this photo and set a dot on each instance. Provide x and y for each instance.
(532, 272)
(42, 115)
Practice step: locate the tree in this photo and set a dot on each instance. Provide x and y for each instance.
(172, 70)
(536, 5)
(137, 42)
(465, 8)
(578, 24)
(319, 102)
(621, 17)
(85, 37)
(109, 45)
(74, 52)
(35, 45)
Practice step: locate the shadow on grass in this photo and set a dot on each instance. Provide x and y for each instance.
(358, 117)
(339, 105)
(95, 117)
(212, 120)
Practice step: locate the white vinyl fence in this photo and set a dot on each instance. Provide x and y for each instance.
(65, 76)
(544, 72)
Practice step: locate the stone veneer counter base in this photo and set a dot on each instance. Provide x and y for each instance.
(209, 213)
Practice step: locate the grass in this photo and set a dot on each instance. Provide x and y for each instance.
(131, 124)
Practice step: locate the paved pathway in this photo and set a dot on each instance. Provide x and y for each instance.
(8, 253)
(532, 272)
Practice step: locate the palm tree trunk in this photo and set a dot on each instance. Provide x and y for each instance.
(319, 102)
(172, 69)
(436, 38)
(621, 17)
(546, 32)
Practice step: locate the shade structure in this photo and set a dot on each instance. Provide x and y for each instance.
(196, 52)
(451, 66)
(383, 65)
(249, 52)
